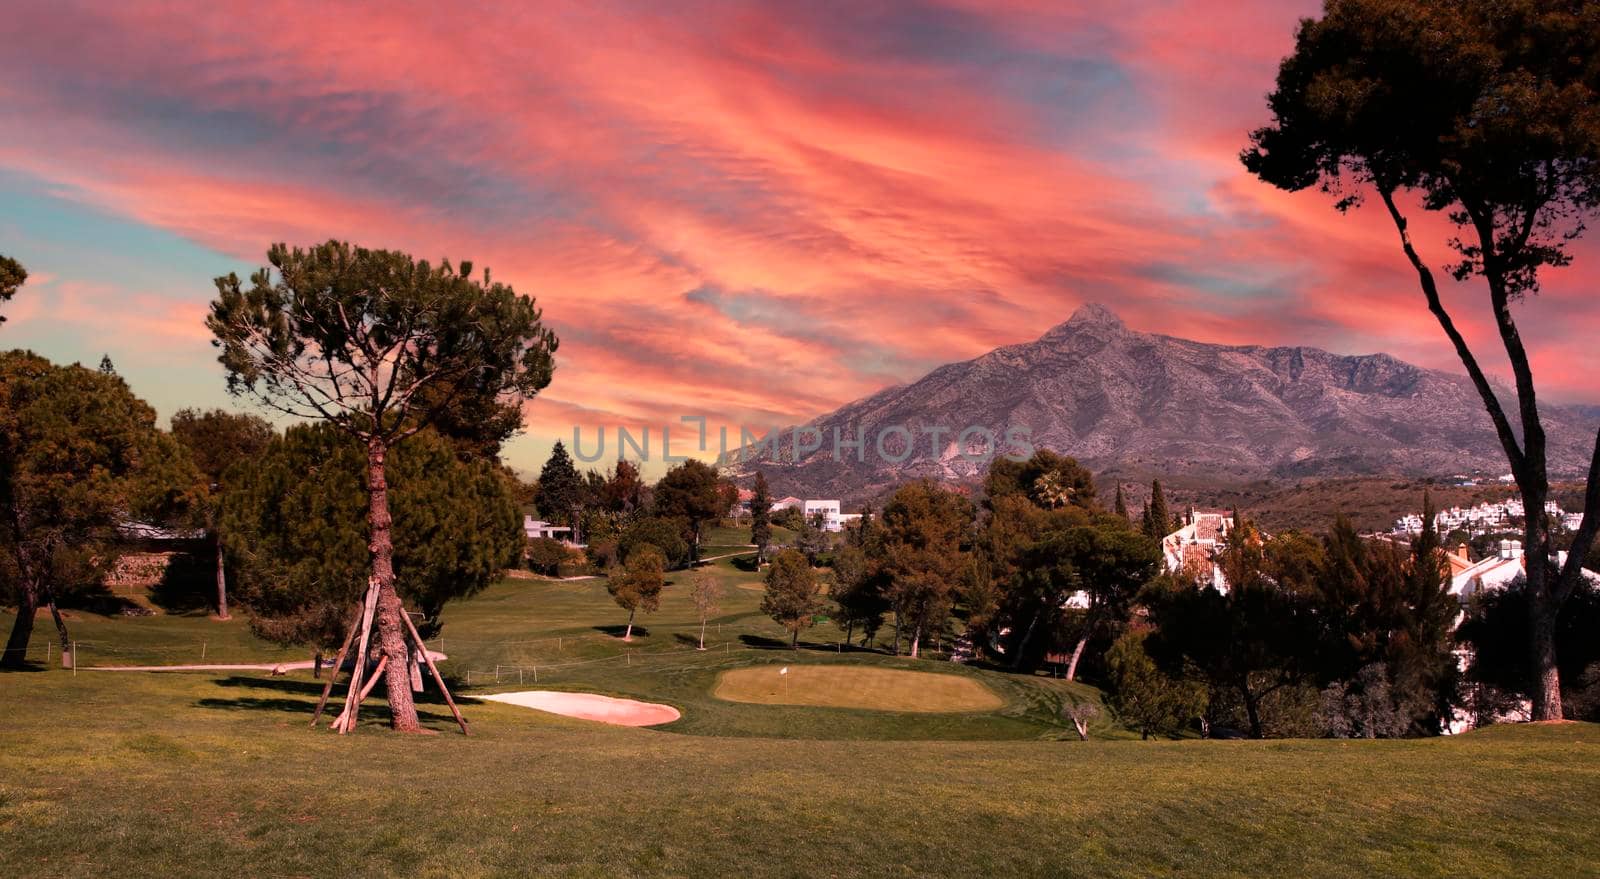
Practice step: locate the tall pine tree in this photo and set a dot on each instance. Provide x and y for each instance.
(1121, 507)
(560, 493)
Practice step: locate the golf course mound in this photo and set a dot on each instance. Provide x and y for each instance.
(844, 686)
(590, 706)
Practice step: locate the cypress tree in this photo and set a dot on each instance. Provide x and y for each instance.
(760, 515)
(1158, 522)
(1122, 503)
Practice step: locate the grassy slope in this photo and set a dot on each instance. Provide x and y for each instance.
(184, 774)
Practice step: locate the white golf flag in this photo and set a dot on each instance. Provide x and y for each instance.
(784, 670)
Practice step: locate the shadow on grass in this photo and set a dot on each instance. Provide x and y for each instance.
(303, 709)
(761, 642)
(26, 667)
(97, 599)
(310, 691)
(746, 563)
(639, 631)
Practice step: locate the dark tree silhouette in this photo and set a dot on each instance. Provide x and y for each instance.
(1488, 111)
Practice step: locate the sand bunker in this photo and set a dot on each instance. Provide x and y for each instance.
(590, 706)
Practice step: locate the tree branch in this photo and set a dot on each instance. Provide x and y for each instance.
(1533, 439)
(1588, 528)
(1430, 289)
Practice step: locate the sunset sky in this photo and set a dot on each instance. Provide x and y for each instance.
(752, 211)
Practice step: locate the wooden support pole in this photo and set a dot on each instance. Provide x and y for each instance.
(338, 664)
(437, 678)
(347, 718)
(377, 674)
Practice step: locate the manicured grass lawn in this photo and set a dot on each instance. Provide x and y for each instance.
(839, 686)
(179, 774)
(194, 774)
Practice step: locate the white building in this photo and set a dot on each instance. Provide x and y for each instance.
(1192, 549)
(539, 528)
(1506, 569)
(828, 511)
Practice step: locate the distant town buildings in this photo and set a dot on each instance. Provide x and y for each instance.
(1485, 518)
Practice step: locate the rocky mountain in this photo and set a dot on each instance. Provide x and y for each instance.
(1133, 403)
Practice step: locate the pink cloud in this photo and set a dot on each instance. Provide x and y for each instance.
(739, 209)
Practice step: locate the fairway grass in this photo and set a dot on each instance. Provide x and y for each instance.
(845, 686)
(192, 774)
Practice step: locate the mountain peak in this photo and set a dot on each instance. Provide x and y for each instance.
(1090, 315)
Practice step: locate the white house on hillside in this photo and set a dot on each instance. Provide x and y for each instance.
(1506, 569)
(828, 510)
(1193, 548)
(537, 528)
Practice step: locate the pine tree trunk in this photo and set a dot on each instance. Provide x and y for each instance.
(1252, 711)
(1089, 626)
(1027, 639)
(849, 631)
(1545, 688)
(897, 633)
(702, 633)
(1077, 653)
(1546, 684)
(61, 625)
(794, 640)
(222, 582)
(916, 640)
(16, 655)
(391, 632)
(628, 635)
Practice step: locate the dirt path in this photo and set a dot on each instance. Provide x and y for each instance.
(297, 665)
(712, 558)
